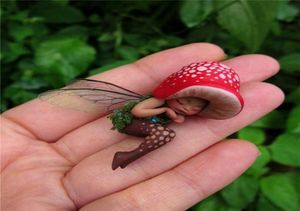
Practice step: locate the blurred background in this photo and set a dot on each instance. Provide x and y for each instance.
(46, 44)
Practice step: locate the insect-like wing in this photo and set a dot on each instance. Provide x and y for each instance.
(91, 96)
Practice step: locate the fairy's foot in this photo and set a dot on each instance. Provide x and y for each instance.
(122, 159)
(157, 138)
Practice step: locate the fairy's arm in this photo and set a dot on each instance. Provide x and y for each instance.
(151, 107)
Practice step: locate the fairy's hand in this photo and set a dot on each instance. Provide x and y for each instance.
(170, 113)
(174, 116)
(59, 159)
(179, 118)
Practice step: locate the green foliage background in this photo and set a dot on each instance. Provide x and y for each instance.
(45, 44)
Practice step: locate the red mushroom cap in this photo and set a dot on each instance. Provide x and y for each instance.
(211, 81)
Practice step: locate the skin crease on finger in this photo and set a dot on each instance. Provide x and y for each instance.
(47, 159)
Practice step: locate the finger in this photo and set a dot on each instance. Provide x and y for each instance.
(192, 137)
(14, 140)
(48, 122)
(253, 67)
(97, 135)
(187, 184)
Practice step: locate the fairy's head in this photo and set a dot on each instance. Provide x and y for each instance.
(208, 89)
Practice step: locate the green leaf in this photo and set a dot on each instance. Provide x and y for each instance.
(109, 66)
(76, 31)
(290, 63)
(128, 53)
(20, 32)
(255, 135)
(20, 16)
(62, 2)
(287, 82)
(279, 189)
(39, 30)
(294, 176)
(248, 21)
(17, 94)
(287, 12)
(213, 203)
(12, 51)
(259, 168)
(63, 60)
(94, 18)
(3, 105)
(264, 204)
(106, 37)
(275, 119)
(294, 96)
(285, 149)
(293, 122)
(241, 192)
(54, 12)
(194, 12)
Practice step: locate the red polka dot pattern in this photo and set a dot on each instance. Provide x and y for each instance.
(212, 74)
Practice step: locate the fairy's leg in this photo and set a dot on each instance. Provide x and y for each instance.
(156, 136)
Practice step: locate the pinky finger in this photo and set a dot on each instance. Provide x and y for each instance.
(187, 184)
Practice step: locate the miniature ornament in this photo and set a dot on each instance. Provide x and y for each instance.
(206, 89)
(211, 81)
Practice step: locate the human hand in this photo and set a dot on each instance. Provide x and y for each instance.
(59, 159)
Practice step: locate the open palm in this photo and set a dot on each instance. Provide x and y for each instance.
(59, 159)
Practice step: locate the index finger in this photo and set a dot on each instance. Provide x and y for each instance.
(49, 123)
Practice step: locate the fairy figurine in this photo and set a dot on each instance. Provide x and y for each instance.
(205, 89)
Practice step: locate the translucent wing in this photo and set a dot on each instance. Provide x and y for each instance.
(90, 96)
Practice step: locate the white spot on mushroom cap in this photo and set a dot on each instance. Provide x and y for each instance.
(224, 66)
(193, 64)
(201, 68)
(222, 76)
(236, 77)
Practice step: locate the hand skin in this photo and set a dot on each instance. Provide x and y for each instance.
(59, 159)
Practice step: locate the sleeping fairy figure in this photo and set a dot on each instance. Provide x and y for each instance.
(205, 89)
